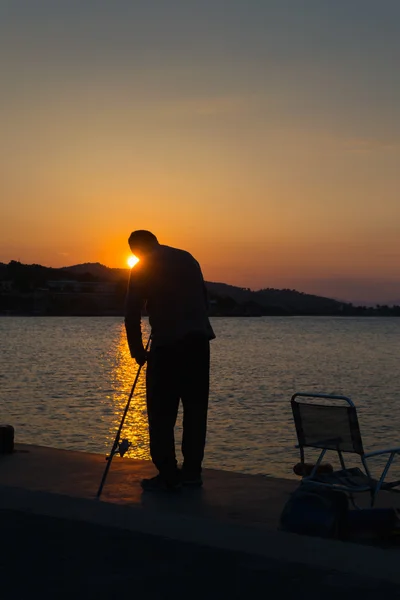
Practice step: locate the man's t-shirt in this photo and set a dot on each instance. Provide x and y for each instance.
(169, 282)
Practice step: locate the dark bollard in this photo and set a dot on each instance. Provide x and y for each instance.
(6, 439)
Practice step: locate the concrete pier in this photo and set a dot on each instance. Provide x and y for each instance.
(229, 497)
(233, 512)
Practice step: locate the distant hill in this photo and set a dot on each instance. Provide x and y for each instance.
(228, 297)
(288, 301)
(29, 277)
(392, 302)
(97, 270)
(285, 300)
(294, 300)
(94, 289)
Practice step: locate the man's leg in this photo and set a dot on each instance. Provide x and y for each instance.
(162, 394)
(195, 381)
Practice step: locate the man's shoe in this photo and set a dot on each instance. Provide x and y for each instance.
(191, 480)
(161, 484)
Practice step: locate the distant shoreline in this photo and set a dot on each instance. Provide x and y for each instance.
(227, 316)
(94, 290)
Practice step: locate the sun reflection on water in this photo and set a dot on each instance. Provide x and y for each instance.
(135, 428)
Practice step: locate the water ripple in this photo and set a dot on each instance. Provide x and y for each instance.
(65, 383)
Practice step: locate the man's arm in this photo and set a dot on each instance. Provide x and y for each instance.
(134, 303)
(206, 296)
(203, 283)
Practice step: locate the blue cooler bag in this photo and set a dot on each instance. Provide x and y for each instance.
(315, 511)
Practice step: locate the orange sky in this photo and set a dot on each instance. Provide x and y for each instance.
(264, 141)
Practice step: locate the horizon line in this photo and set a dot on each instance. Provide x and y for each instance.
(254, 290)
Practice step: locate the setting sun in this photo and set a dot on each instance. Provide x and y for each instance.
(132, 260)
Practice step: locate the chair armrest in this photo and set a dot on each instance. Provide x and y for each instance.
(379, 452)
(325, 396)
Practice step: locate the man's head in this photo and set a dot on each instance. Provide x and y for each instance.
(141, 242)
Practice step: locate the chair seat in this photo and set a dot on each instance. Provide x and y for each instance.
(350, 479)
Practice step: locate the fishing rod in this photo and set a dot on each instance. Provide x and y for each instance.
(120, 446)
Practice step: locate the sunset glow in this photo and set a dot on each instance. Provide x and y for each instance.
(242, 136)
(132, 261)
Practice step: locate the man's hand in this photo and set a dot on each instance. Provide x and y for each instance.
(140, 357)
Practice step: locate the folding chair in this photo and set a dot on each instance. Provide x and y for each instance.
(335, 427)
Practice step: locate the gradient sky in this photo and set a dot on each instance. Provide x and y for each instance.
(262, 136)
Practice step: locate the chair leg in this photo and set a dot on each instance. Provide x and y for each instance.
(382, 478)
(342, 463)
(315, 469)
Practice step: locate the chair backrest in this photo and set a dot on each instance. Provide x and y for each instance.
(330, 426)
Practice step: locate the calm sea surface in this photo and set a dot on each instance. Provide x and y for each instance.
(64, 382)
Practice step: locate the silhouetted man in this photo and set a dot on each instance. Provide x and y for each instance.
(169, 282)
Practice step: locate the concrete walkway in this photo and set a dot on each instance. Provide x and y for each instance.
(246, 499)
(49, 558)
(233, 513)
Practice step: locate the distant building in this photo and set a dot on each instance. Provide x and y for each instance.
(6, 286)
(81, 287)
(97, 287)
(63, 285)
